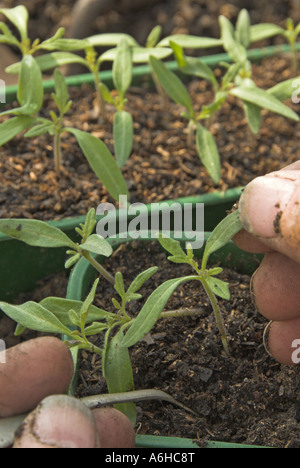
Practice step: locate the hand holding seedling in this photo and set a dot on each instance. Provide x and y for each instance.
(45, 367)
(270, 213)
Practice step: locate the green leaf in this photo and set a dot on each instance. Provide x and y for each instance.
(119, 284)
(40, 129)
(18, 16)
(284, 90)
(122, 67)
(12, 127)
(111, 39)
(179, 54)
(36, 233)
(7, 37)
(142, 55)
(116, 304)
(123, 136)
(261, 31)
(117, 371)
(234, 49)
(219, 287)
(208, 152)
(231, 74)
(72, 260)
(60, 307)
(19, 329)
(243, 34)
(139, 54)
(74, 318)
(95, 328)
(297, 30)
(66, 45)
(61, 91)
(172, 246)
(171, 84)
(215, 271)
(88, 303)
(58, 35)
(102, 163)
(190, 42)
(193, 66)
(34, 317)
(30, 88)
(221, 235)
(90, 222)
(154, 37)
(263, 99)
(253, 114)
(208, 111)
(138, 282)
(151, 311)
(106, 93)
(52, 60)
(98, 245)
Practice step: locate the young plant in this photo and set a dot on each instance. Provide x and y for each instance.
(79, 320)
(123, 123)
(212, 285)
(64, 55)
(19, 16)
(237, 81)
(30, 96)
(40, 234)
(291, 34)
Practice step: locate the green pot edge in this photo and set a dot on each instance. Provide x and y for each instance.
(69, 224)
(142, 70)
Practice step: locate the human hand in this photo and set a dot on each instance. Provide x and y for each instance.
(35, 376)
(270, 213)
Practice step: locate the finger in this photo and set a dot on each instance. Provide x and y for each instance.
(59, 421)
(249, 243)
(275, 286)
(282, 341)
(114, 429)
(270, 211)
(31, 371)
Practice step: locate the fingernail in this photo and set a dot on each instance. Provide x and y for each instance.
(61, 421)
(263, 202)
(252, 293)
(266, 337)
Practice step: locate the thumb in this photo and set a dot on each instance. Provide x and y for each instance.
(270, 211)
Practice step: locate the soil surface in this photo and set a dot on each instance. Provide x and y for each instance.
(160, 167)
(245, 398)
(199, 17)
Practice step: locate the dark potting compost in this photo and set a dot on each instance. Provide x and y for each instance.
(161, 166)
(245, 398)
